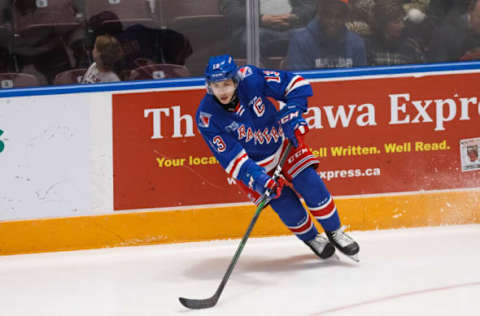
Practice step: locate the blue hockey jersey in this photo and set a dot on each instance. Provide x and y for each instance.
(251, 137)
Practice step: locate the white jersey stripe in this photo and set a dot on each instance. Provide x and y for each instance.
(328, 215)
(303, 223)
(321, 207)
(234, 161)
(295, 83)
(271, 161)
(298, 84)
(290, 84)
(304, 230)
(236, 171)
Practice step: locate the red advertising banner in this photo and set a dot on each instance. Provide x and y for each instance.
(375, 135)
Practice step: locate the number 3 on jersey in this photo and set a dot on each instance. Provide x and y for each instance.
(218, 141)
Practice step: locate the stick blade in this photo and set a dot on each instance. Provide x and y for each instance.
(198, 303)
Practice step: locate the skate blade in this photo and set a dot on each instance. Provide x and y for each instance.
(333, 257)
(355, 258)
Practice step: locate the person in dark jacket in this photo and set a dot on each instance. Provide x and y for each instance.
(277, 19)
(326, 42)
(458, 40)
(390, 43)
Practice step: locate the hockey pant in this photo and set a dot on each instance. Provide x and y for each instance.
(318, 200)
(299, 169)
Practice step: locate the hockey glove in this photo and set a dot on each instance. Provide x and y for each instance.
(263, 182)
(293, 124)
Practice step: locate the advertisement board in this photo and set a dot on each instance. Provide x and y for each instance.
(54, 156)
(373, 135)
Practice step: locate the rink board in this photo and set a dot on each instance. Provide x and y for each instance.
(372, 136)
(144, 228)
(122, 164)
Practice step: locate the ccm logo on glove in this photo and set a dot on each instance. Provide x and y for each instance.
(289, 117)
(297, 154)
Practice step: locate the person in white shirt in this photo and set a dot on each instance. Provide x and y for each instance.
(106, 53)
(277, 19)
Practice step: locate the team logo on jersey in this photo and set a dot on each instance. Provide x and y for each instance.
(204, 119)
(244, 72)
(258, 106)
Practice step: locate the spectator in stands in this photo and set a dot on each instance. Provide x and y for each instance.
(420, 5)
(5, 11)
(106, 53)
(361, 16)
(277, 19)
(390, 44)
(458, 40)
(5, 37)
(140, 43)
(326, 42)
(76, 40)
(418, 25)
(44, 50)
(441, 11)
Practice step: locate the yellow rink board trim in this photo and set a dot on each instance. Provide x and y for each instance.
(144, 228)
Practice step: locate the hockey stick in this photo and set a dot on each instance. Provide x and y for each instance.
(211, 301)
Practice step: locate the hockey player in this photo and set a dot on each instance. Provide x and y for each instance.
(247, 134)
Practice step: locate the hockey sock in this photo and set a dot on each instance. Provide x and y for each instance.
(311, 187)
(293, 215)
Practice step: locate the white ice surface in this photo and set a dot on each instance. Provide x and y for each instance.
(424, 271)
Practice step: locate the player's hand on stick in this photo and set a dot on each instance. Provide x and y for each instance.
(275, 187)
(264, 182)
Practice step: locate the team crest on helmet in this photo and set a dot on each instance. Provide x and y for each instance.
(204, 119)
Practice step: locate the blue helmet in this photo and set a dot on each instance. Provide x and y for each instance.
(221, 68)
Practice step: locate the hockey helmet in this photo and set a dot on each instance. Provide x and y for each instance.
(221, 68)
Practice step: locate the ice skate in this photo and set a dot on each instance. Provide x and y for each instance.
(321, 247)
(344, 243)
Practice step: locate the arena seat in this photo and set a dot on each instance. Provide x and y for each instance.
(72, 76)
(159, 71)
(201, 23)
(43, 16)
(15, 80)
(128, 12)
(39, 28)
(172, 9)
